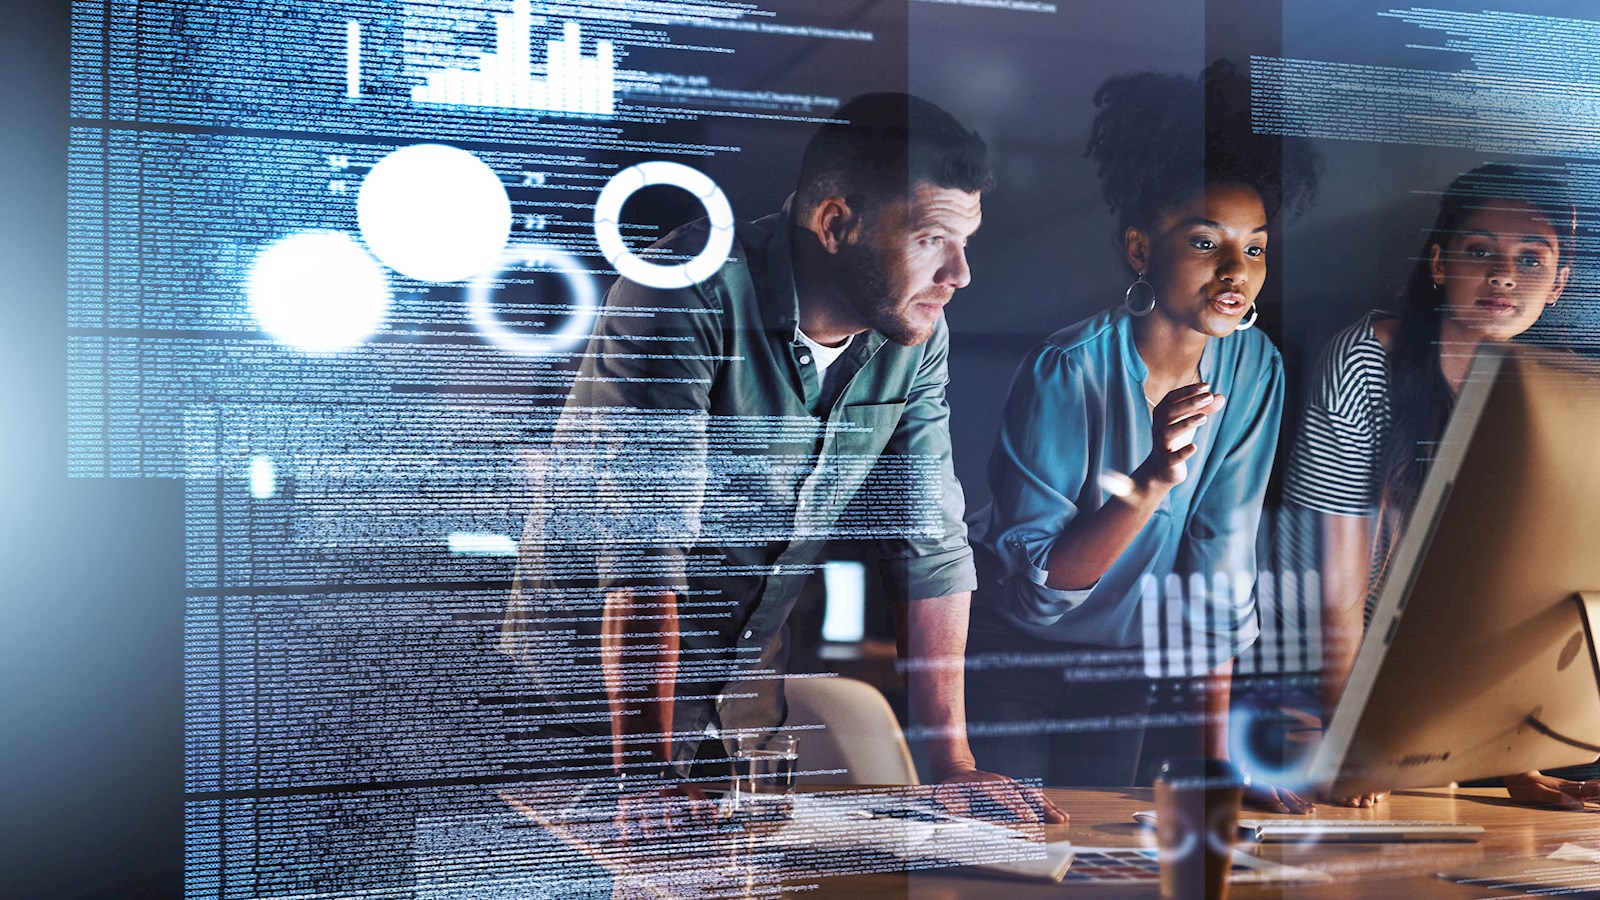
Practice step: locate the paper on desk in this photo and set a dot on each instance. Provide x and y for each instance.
(1050, 867)
(1576, 853)
(843, 823)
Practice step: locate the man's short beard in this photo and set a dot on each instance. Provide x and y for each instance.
(866, 282)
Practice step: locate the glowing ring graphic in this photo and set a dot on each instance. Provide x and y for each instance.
(585, 302)
(1294, 774)
(624, 184)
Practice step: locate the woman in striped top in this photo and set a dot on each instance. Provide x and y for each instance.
(1498, 255)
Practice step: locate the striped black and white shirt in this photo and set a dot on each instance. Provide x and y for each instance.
(1333, 466)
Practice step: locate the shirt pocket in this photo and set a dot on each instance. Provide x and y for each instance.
(864, 428)
(856, 437)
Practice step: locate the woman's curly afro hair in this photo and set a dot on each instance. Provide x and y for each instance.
(1157, 140)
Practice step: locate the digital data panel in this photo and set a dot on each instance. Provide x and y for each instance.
(335, 268)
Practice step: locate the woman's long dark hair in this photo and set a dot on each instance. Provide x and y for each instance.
(1420, 399)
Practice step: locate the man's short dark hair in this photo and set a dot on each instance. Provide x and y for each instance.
(882, 145)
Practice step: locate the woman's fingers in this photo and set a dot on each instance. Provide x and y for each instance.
(1295, 803)
(1203, 402)
(1174, 422)
(1187, 392)
(1183, 401)
(1187, 423)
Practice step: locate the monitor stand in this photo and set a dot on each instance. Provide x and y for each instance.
(1589, 613)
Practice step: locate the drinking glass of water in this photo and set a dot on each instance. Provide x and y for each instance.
(763, 777)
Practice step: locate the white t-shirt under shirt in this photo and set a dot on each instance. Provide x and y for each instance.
(824, 356)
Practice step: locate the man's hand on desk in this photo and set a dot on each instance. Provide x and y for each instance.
(668, 810)
(1536, 789)
(974, 792)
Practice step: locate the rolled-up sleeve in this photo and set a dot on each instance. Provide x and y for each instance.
(1037, 474)
(1218, 553)
(937, 562)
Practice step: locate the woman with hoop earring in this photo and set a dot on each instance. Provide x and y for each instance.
(1134, 453)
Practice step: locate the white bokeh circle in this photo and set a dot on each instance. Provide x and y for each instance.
(608, 212)
(573, 333)
(434, 213)
(317, 291)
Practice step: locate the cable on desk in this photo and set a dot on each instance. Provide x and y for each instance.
(1548, 732)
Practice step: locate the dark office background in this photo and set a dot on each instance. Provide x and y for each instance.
(90, 591)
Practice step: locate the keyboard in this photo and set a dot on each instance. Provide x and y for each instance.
(1277, 831)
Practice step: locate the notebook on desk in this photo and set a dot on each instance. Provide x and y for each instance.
(1058, 857)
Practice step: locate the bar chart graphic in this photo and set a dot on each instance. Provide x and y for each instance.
(507, 78)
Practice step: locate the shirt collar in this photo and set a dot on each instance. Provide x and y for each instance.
(780, 299)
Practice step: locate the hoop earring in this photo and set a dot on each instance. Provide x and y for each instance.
(1139, 303)
(1249, 320)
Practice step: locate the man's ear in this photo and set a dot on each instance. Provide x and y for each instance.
(834, 222)
(1137, 245)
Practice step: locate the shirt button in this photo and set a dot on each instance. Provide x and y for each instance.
(748, 635)
(805, 360)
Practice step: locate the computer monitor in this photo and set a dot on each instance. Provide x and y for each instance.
(1480, 658)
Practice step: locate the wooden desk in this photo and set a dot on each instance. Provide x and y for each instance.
(1103, 818)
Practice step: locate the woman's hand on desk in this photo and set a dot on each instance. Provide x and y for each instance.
(1271, 798)
(976, 793)
(1359, 801)
(663, 811)
(1307, 730)
(1537, 789)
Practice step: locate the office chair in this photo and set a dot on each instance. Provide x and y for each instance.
(860, 734)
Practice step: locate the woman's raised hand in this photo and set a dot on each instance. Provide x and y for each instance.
(1172, 426)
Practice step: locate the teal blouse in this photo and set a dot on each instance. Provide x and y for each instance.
(1077, 412)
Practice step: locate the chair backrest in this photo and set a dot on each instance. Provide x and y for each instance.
(860, 734)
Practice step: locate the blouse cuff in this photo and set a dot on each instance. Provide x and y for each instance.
(1240, 639)
(1041, 605)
